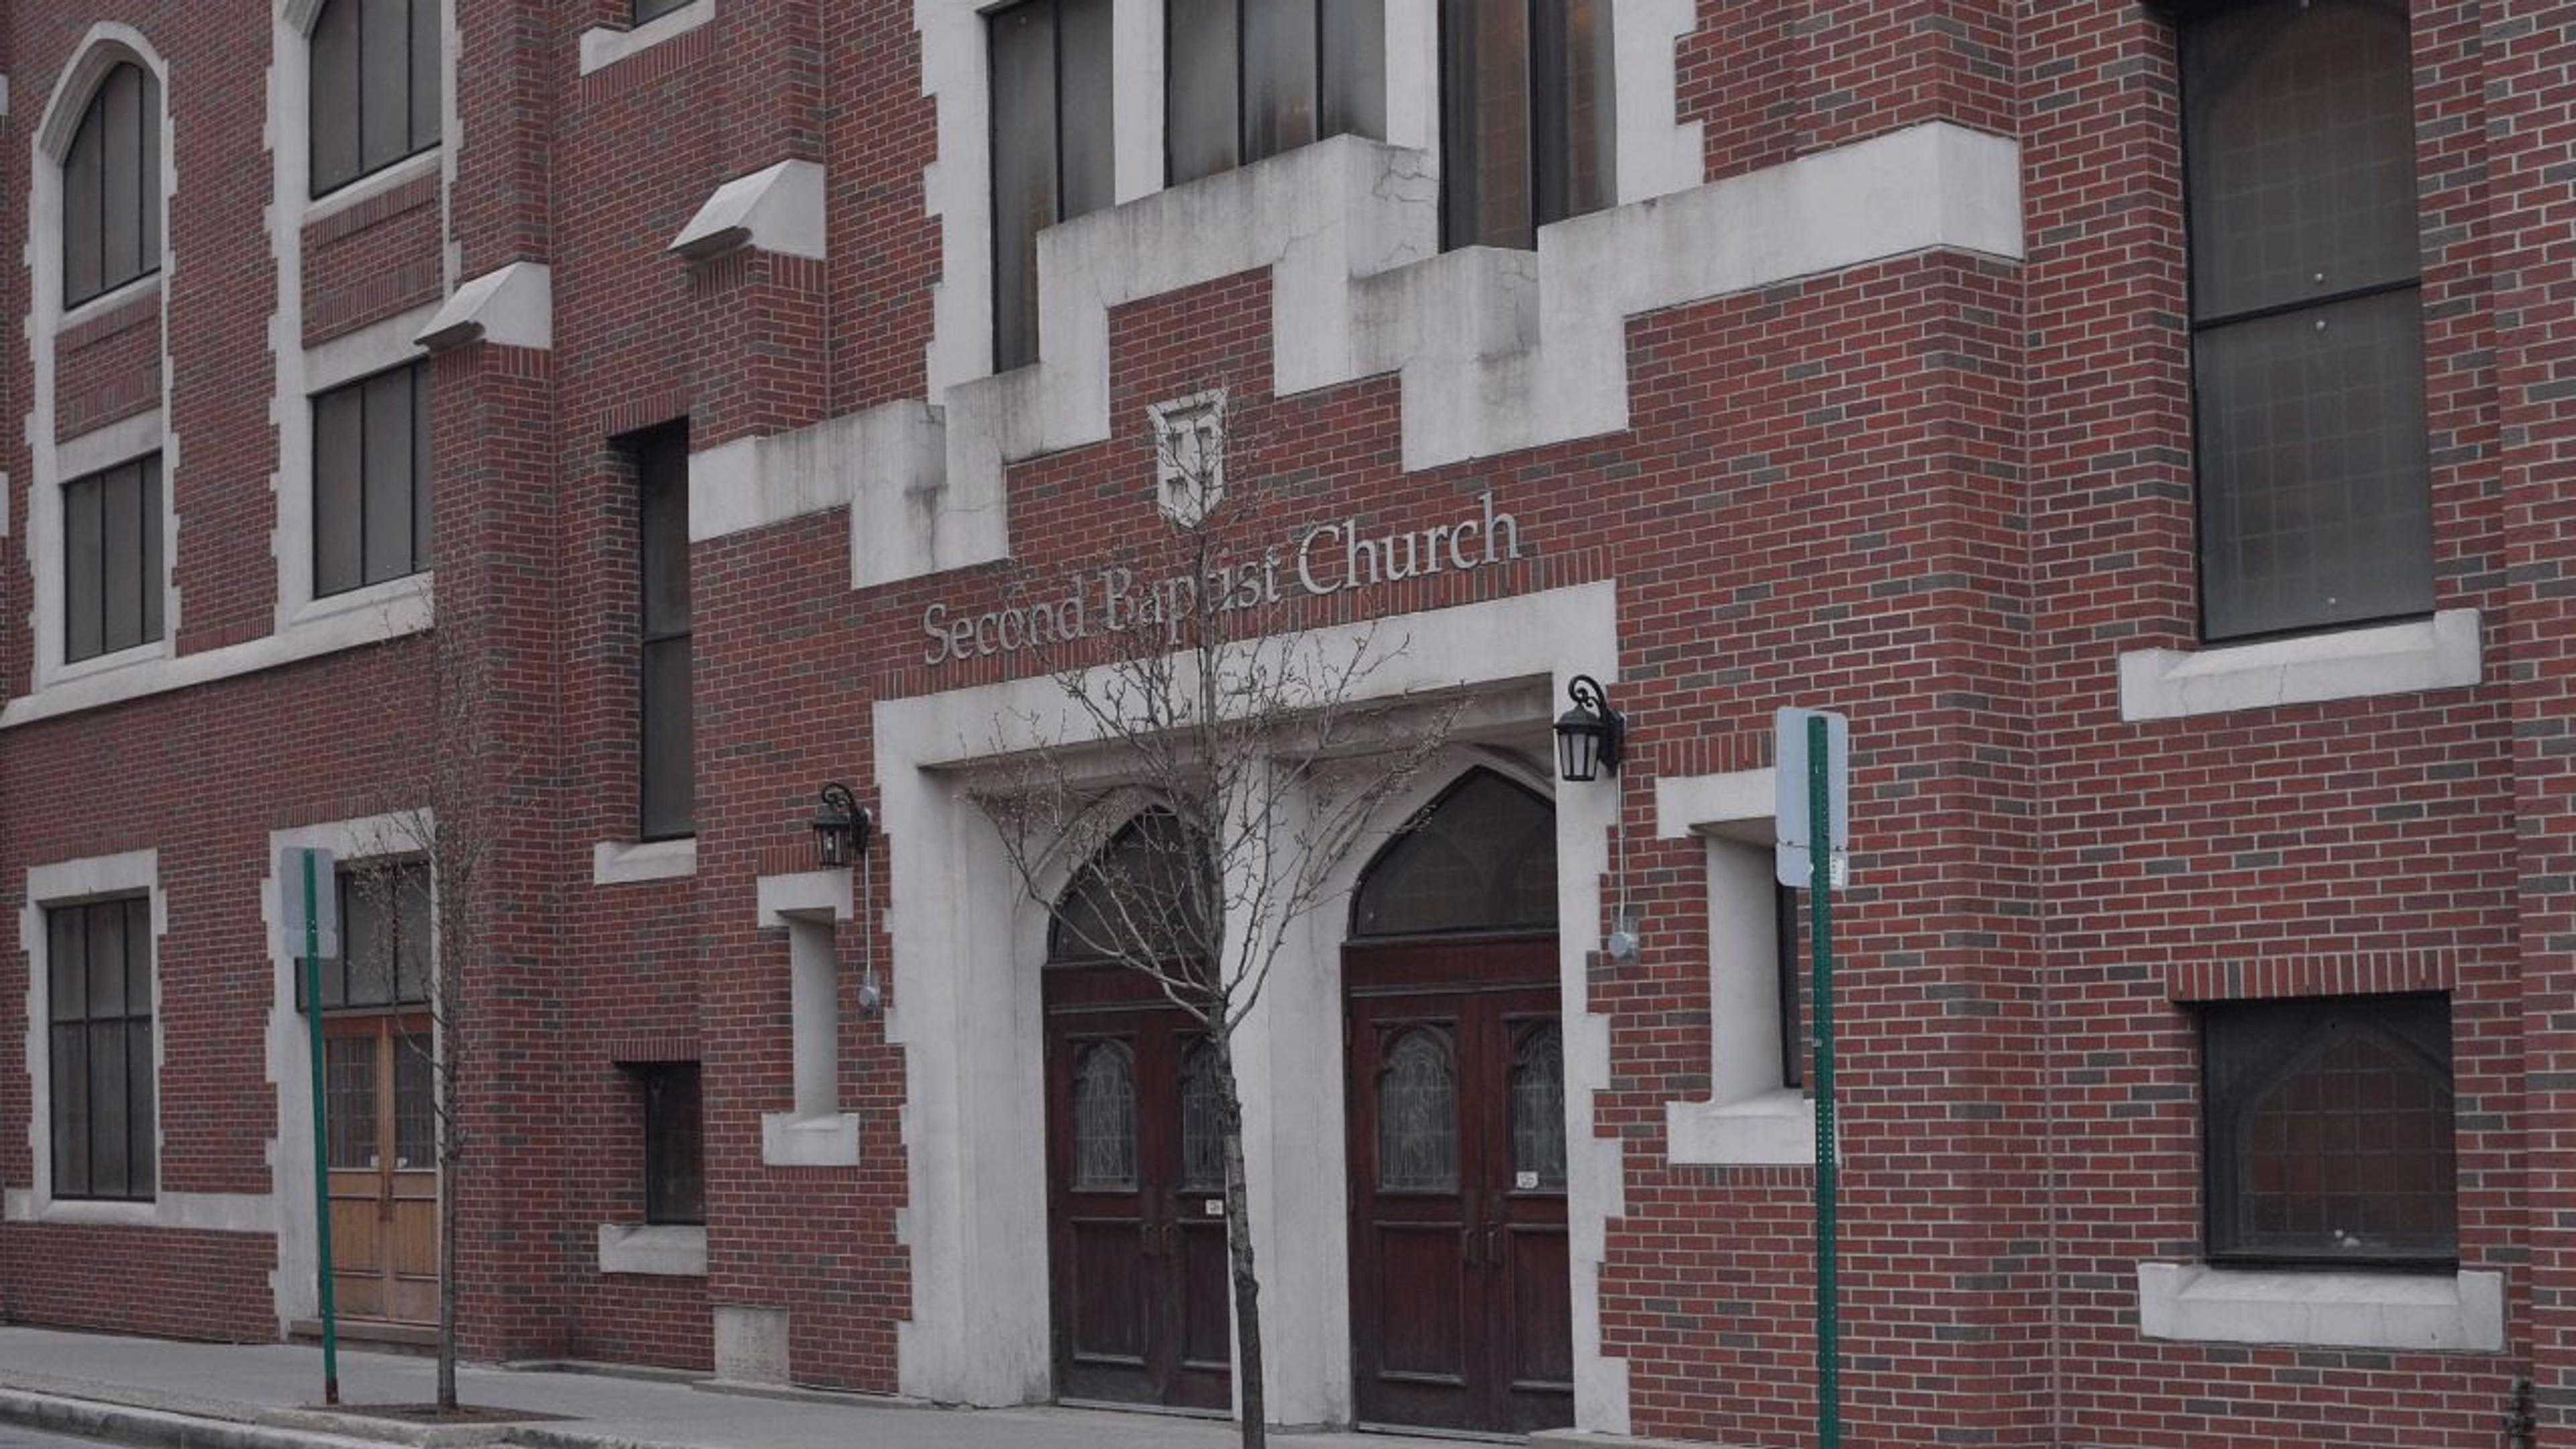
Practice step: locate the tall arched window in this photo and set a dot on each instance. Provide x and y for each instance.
(375, 93)
(1142, 899)
(112, 187)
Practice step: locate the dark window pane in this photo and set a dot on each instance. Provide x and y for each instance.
(1202, 1134)
(2301, 136)
(655, 9)
(1538, 1111)
(151, 170)
(1104, 1119)
(1139, 899)
(1354, 62)
(70, 1074)
(412, 935)
(415, 1101)
(67, 963)
(674, 1154)
(1789, 935)
(1083, 101)
(1199, 118)
(428, 83)
(669, 803)
(366, 941)
(121, 557)
(142, 1151)
(2331, 1129)
(338, 470)
(349, 1087)
(2314, 491)
(1024, 171)
(1590, 125)
(123, 196)
(84, 569)
(421, 474)
(108, 1136)
(84, 186)
(107, 961)
(384, 83)
(150, 524)
(387, 453)
(1417, 1116)
(1483, 858)
(1485, 125)
(334, 108)
(662, 528)
(1278, 76)
(138, 956)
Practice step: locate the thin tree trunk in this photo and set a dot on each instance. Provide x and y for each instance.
(1238, 1247)
(447, 1195)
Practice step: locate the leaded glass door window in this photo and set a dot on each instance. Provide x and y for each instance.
(1417, 1115)
(1104, 1119)
(1538, 1110)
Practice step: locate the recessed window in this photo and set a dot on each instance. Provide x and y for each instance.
(371, 471)
(1253, 78)
(1526, 117)
(666, 743)
(1051, 147)
(112, 560)
(112, 188)
(98, 1000)
(2307, 316)
(2330, 1131)
(375, 93)
(675, 1176)
(656, 9)
(385, 955)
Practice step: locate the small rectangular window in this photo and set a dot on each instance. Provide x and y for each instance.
(2307, 316)
(675, 1177)
(656, 9)
(1254, 78)
(667, 731)
(385, 955)
(112, 560)
(371, 478)
(1527, 120)
(1788, 937)
(2328, 1127)
(1052, 159)
(376, 88)
(99, 1036)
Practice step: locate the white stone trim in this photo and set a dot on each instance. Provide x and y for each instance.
(881, 459)
(805, 895)
(287, 1044)
(966, 939)
(70, 882)
(512, 306)
(2441, 652)
(776, 209)
(790, 1140)
(106, 45)
(109, 444)
(605, 45)
(372, 185)
(626, 862)
(2459, 1312)
(159, 674)
(664, 1250)
(1749, 1119)
(377, 347)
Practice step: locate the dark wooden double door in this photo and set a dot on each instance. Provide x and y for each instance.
(1136, 1197)
(1462, 1307)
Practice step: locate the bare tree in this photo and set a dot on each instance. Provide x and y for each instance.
(439, 808)
(1259, 750)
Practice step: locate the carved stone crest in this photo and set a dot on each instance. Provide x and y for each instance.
(1189, 455)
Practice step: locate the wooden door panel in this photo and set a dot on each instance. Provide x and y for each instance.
(384, 1212)
(1538, 1319)
(1105, 1288)
(1421, 1292)
(1207, 1315)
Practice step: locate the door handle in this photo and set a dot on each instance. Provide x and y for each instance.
(1494, 1246)
(1145, 1235)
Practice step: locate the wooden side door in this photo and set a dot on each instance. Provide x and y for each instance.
(384, 1173)
(1462, 1302)
(1135, 1197)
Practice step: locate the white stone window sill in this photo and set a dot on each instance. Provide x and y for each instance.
(148, 285)
(2441, 652)
(159, 672)
(665, 1251)
(1776, 1129)
(199, 1211)
(366, 188)
(605, 45)
(151, 651)
(788, 1140)
(392, 599)
(624, 862)
(2440, 1312)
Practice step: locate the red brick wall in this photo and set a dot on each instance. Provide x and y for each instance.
(108, 367)
(372, 259)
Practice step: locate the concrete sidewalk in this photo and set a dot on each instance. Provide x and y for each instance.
(256, 1396)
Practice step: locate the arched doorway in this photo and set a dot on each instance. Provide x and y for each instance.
(1135, 1176)
(1461, 1301)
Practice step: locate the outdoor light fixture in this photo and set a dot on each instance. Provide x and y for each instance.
(1591, 736)
(840, 828)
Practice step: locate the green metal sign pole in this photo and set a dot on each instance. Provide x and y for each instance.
(1820, 896)
(321, 1140)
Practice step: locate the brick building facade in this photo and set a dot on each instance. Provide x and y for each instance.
(2205, 979)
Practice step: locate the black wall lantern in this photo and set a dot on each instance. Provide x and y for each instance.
(1590, 737)
(840, 828)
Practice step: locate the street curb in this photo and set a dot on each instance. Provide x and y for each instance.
(158, 1429)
